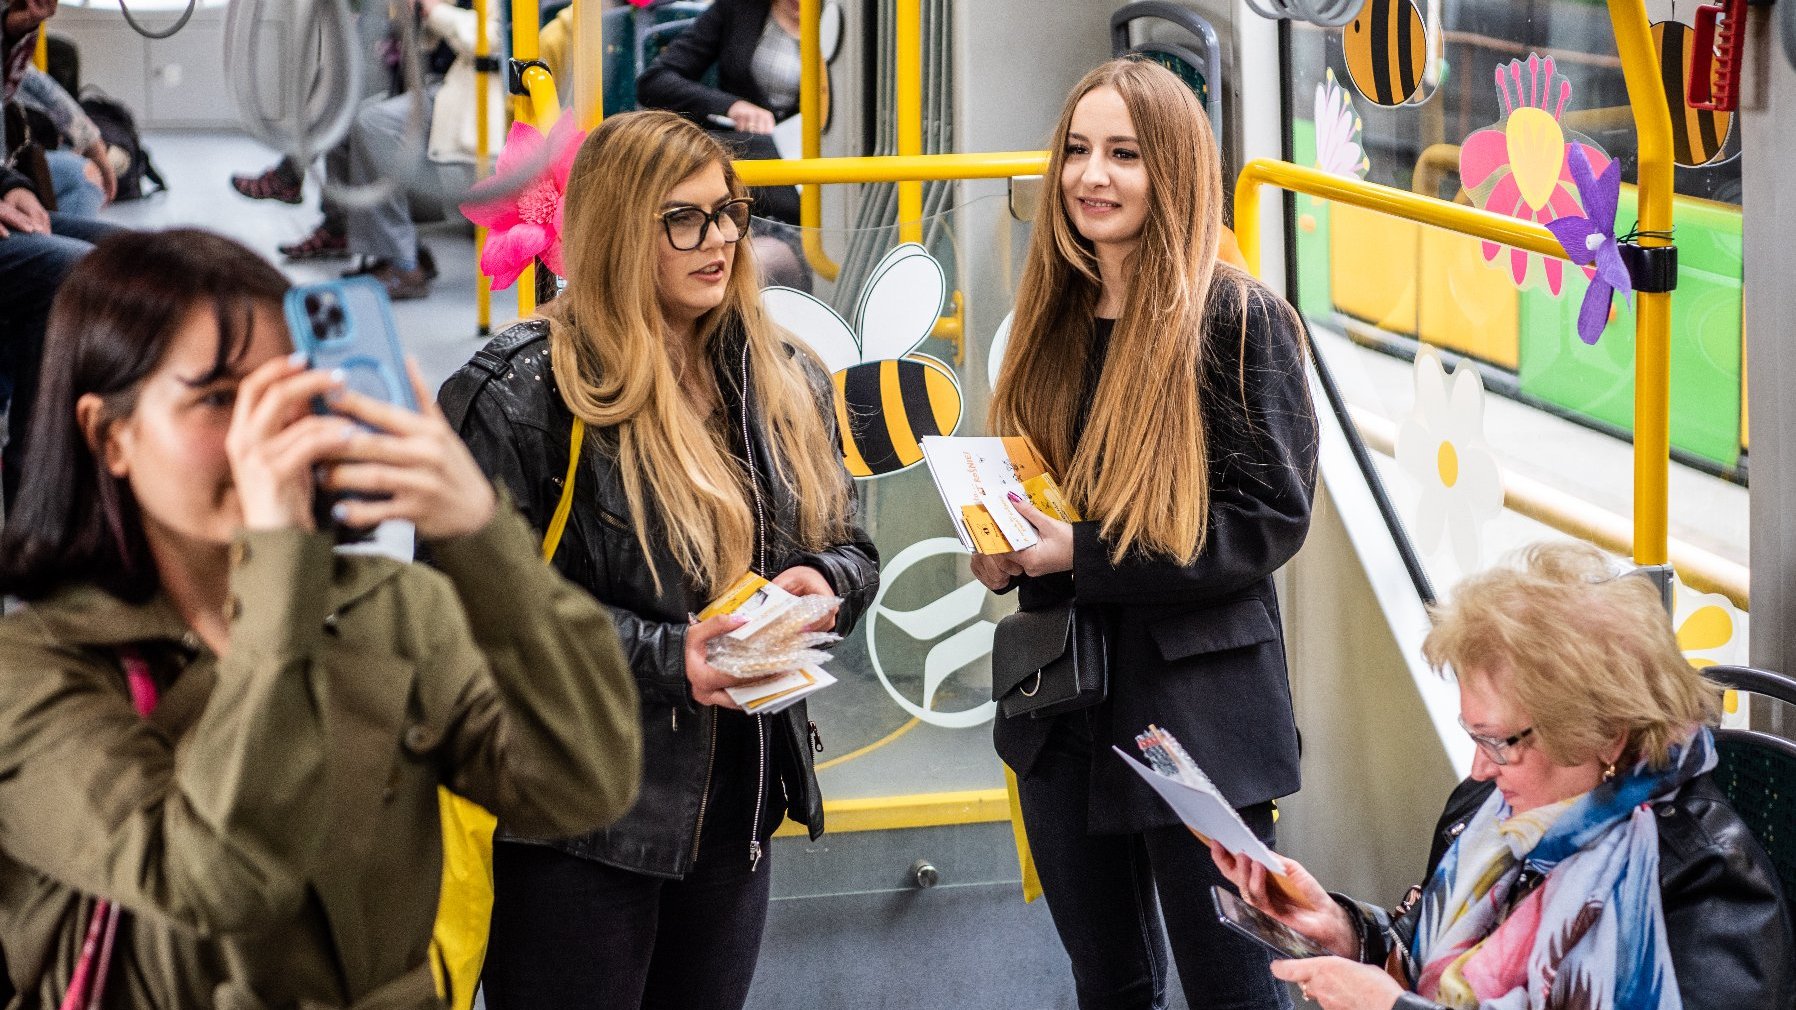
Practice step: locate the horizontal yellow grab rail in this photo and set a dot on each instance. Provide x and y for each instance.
(1381, 199)
(922, 810)
(1701, 570)
(912, 168)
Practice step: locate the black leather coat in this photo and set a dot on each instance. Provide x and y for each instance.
(1725, 920)
(506, 405)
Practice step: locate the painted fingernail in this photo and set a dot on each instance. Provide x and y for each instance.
(339, 376)
(1013, 496)
(297, 359)
(340, 512)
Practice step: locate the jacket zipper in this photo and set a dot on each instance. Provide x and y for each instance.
(704, 798)
(754, 485)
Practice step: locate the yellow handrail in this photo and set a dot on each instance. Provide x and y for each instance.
(910, 115)
(1380, 199)
(810, 116)
(1652, 333)
(917, 168)
(483, 49)
(40, 55)
(545, 104)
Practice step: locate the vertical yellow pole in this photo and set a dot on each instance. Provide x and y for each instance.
(525, 45)
(810, 115)
(40, 56)
(1652, 341)
(587, 58)
(483, 48)
(910, 114)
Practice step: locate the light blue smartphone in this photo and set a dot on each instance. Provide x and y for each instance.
(347, 325)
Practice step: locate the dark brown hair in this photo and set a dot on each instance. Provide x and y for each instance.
(110, 326)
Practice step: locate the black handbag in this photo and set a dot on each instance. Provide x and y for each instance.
(1049, 661)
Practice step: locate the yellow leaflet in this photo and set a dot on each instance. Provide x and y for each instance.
(739, 593)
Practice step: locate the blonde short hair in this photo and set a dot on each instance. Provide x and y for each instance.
(1586, 653)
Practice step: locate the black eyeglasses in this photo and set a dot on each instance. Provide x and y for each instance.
(1497, 748)
(687, 227)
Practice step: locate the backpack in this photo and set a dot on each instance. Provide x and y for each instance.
(119, 128)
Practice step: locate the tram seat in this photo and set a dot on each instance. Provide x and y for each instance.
(1198, 62)
(620, 60)
(1757, 770)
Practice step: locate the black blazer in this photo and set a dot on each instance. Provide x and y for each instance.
(1198, 649)
(724, 36)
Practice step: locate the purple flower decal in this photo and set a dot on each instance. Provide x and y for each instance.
(1590, 240)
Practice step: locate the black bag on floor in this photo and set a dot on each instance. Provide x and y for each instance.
(119, 127)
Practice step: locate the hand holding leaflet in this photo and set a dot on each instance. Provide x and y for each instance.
(775, 655)
(1199, 804)
(975, 477)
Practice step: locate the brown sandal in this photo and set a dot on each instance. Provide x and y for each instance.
(322, 244)
(270, 185)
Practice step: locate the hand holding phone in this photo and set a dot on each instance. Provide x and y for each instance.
(1263, 929)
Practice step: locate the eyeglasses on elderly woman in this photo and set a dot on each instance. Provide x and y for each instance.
(1497, 748)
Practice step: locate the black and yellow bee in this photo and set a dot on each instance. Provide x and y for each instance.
(887, 396)
(1387, 50)
(1697, 135)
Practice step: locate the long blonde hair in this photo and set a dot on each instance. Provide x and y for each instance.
(1141, 467)
(608, 347)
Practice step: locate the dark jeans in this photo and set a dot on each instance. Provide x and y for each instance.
(32, 267)
(1101, 894)
(575, 934)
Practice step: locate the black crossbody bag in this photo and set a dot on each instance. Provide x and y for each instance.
(1049, 661)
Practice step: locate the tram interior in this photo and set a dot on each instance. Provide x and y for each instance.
(1426, 335)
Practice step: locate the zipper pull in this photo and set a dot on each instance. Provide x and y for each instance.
(754, 854)
(673, 715)
(816, 738)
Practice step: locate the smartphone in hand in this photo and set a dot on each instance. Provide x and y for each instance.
(347, 325)
(1282, 940)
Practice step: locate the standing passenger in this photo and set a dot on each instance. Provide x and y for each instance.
(1168, 392)
(707, 451)
(215, 726)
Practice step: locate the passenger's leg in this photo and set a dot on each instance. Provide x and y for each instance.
(76, 195)
(1099, 888)
(710, 935)
(377, 151)
(83, 229)
(1220, 969)
(568, 933)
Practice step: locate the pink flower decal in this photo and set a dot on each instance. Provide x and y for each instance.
(526, 225)
(1520, 166)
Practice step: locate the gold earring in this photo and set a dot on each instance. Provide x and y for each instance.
(1609, 772)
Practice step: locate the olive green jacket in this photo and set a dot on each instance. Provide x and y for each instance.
(271, 830)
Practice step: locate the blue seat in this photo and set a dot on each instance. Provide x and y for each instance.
(1757, 770)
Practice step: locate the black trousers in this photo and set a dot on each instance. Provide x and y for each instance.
(575, 934)
(1101, 892)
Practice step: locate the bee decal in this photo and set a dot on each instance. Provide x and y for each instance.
(1387, 49)
(887, 395)
(1697, 135)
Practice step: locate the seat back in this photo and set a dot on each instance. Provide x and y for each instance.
(1197, 61)
(620, 60)
(1757, 771)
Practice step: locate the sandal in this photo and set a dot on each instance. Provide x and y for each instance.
(322, 244)
(270, 185)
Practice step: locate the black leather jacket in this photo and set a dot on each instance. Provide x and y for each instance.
(506, 405)
(1725, 919)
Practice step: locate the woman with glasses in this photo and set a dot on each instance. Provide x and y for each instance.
(679, 440)
(1590, 861)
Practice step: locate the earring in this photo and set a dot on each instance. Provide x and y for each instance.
(1609, 772)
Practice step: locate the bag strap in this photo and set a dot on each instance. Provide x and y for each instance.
(565, 506)
(88, 983)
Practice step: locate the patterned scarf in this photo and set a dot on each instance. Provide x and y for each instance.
(1591, 935)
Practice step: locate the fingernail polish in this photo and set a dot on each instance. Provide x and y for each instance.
(1013, 496)
(340, 512)
(297, 359)
(339, 376)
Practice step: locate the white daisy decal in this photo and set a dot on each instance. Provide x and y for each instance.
(1441, 446)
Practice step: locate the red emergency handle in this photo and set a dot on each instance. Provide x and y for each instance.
(1715, 56)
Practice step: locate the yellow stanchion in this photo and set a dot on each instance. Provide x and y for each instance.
(483, 142)
(810, 114)
(526, 45)
(910, 115)
(40, 56)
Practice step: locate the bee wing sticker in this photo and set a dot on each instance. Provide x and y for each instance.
(814, 323)
(994, 355)
(899, 306)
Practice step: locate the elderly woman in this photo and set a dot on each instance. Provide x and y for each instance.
(1590, 861)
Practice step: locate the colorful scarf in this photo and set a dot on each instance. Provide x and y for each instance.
(1591, 935)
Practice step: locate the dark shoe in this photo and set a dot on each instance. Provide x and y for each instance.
(427, 261)
(402, 285)
(270, 185)
(322, 244)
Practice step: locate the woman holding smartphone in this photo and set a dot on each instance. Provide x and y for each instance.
(1167, 392)
(699, 441)
(220, 743)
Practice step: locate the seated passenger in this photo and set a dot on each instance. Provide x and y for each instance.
(707, 452)
(753, 45)
(1590, 860)
(216, 728)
